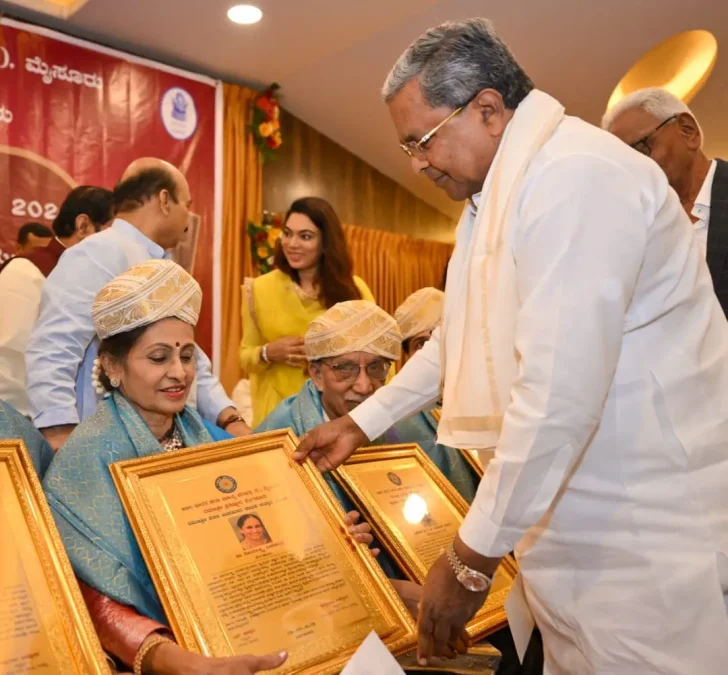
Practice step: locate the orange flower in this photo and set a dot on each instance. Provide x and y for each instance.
(276, 125)
(273, 235)
(277, 139)
(262, 252)
(265, 129)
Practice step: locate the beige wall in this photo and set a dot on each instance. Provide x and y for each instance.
(309, 163)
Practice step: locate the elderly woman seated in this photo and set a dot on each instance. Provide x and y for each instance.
(145, 320)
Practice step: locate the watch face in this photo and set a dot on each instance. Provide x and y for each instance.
(477, 583)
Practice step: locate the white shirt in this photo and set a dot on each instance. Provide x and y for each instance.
(63, 345)
(610, 473)
(701, 209)
(21, 286)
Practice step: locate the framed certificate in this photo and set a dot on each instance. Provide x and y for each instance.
(472, 457)
(416, 513)
(44, 625)
(248, 553)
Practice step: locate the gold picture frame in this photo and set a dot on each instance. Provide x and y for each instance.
(167, 498)
(492, 616)
(44, 624)
(471, 456)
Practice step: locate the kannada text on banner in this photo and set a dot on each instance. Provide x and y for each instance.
(73, 114)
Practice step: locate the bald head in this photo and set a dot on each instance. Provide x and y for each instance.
(153, 195)
(147, 163)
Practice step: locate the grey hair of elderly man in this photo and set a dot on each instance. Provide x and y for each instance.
(457, 66)
(660, 125)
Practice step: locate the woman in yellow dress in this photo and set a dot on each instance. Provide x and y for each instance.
(314, 272)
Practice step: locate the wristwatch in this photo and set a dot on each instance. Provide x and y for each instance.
(471, 579)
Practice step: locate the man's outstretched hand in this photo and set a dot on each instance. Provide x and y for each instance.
(331, 444)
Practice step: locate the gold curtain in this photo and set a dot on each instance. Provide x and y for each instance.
(396, 265)
(242, 201)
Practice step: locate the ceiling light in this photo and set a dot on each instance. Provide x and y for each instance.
(681, 64)
(244, 14)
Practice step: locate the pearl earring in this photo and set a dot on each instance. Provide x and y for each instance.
(115, 382)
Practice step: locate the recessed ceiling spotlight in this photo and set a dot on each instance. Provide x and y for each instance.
(244, 14)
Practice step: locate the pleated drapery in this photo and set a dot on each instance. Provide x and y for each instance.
(242, 202)
(396, 265)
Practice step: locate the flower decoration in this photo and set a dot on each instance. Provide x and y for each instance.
(266, 125)
(263, 240)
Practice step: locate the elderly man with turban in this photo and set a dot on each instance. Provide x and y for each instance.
(350, 349)
(417, 317)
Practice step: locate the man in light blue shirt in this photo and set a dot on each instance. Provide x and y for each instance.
(152, 204)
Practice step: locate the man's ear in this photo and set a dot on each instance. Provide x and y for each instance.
(690, 130)
(84, 226)
(314, 370)
(165, 201)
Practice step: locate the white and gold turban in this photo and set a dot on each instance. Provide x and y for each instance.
(421, 312)
(354, 326)
(146, 293)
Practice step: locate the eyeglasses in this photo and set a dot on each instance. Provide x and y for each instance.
(417, 149)
(642, 145)
(348, 371)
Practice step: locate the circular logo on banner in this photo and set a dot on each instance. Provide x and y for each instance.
(179, 114)
(226, 484)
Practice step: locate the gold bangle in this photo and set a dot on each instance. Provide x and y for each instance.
(147, 646)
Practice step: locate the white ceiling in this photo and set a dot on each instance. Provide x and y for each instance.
(331, 56)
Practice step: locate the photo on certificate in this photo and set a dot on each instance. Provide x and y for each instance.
(415, 513)
(248, 554)
(44, 626)
(472, 457)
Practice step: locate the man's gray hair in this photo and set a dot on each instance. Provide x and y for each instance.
(659, 103)
(456, 60)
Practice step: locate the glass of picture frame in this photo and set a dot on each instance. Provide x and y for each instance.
(415, 513)
(248, 553)
(44, 625)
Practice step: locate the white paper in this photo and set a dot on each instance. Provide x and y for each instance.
(372, 658)
(519, 615)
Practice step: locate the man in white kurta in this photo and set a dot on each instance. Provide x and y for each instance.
(583, 340)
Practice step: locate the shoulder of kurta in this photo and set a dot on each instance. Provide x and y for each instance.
(270, 283)
(20, 271)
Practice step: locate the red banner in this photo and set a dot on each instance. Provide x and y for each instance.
(72, 113)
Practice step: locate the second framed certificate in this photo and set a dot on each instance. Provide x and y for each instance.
(416, 513)
(248, 555)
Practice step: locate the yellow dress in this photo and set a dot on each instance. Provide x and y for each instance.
(274, 306)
